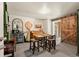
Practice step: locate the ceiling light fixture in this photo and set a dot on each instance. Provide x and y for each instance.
(44, 10)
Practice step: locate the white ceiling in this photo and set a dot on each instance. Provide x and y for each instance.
(31, 9)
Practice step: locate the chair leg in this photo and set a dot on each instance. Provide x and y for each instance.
(33, 47)
(12, 54)
(30, 45)
(38, 45)
(49, 43)
(15, 48)
(43, 45)
(54, 45)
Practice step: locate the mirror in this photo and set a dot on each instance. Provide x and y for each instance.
(17, 24)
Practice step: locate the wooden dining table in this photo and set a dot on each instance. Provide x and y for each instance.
(41, 38)
(40, 35)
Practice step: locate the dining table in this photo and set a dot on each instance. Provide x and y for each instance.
(41, 38)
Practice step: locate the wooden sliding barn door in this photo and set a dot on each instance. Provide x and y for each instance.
(68, 29)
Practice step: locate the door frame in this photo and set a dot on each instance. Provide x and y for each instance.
(77, 32)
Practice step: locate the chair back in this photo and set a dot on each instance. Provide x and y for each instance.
(53, 37)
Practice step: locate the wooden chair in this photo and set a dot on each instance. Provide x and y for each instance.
(43, 43)
(34, 44)
(9, 48)
(51, 42)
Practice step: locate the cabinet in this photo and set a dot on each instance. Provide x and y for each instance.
(17, 30)
(19, 37)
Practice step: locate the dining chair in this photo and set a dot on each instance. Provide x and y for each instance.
(34, 44)
(51, 42)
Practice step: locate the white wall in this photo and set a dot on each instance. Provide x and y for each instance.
(54, 31)
(1, 27)
(33, 21)
(43, 22)
(25, 19)
(49, 26)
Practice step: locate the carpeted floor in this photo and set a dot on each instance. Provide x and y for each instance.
(62, 50)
